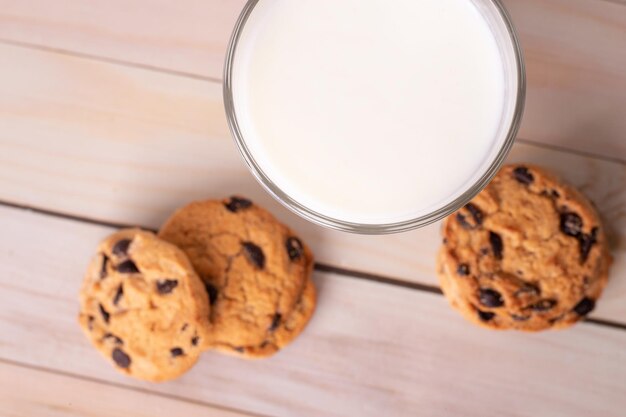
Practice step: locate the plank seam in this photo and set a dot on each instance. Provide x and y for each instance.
(67, 216)
(611, 159)
(321, 267)
(618, 2)
(86, 378)
(98, 58)
(433, 289)
(605, 323)
(114, 61)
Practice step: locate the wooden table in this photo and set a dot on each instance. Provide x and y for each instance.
(111, 114)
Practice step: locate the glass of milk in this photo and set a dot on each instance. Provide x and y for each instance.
(374, 116)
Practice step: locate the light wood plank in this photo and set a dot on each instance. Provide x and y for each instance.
(370, 350)
(574, 51)
(575, 56)
(189, 36)
(147, 143)
(28, 392)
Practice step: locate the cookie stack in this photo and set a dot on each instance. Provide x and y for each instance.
(529, 253)
(221, 275)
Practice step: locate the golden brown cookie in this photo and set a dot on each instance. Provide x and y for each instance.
(257, 273)
(529, 253)
(143, 306)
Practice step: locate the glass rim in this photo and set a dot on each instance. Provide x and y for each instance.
(365, 228)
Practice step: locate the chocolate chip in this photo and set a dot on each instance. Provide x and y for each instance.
(463, 269)
(528, 289)
(496, 245)
(554, 194)
(116, 339)
(121, 248)
(195, 340)
(166, 286)
(185, 326)
(103, 268)
(586, 242)
(543, 305)
(118, 295)
(523, 176)
(490, 298)
(484, 251)
(176, 352)
(571, 224)
(105, 314)
(90, 320)
(515, 317)
(476, 213)
(239, 349)
(461, 219)
(127, 267)
(121, 358)
(476, 217)
(275, 322)
(585, 306)
(294, 248)
(237, 203)
(254, 254)
(485, 315)
(212, 291)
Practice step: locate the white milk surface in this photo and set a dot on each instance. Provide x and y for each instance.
(369, 111)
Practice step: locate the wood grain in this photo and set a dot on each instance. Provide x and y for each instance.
(187, 36)
(149, 142)
(575, 60)
(26, 392)
(135, 128)
(370, 350)
(574, 52)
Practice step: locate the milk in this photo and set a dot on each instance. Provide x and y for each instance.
(370, 111)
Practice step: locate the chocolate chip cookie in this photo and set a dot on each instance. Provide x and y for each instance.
(529, 253)
(143, 306)
(256, 270)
